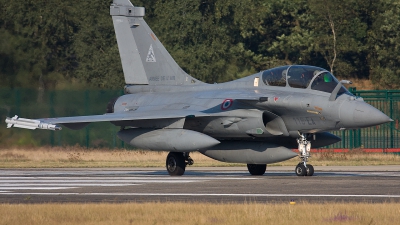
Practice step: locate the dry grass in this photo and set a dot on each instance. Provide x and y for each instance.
(75, 157)
(200, 213)
(78, 157)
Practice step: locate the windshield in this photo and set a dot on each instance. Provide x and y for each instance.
(326, 82)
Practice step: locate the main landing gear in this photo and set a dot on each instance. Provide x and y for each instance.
(176, 163)
(257, 169)
(304, 169)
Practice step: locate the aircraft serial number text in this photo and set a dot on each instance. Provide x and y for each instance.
(161, 78)
(304, 121)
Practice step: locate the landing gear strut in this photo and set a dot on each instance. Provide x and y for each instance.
(188, 160)
(176, 163)
(304, 169)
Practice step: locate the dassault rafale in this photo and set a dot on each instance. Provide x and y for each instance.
(254, 120)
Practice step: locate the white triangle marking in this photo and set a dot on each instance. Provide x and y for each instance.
(150, 55)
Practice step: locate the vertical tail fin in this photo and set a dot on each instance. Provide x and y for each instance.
(144, 59)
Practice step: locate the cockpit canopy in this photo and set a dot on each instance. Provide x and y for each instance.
(299, 76)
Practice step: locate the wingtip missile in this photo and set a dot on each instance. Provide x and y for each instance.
(30, 124)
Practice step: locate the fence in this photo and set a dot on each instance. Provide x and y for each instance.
(39, 104)
(36, 104)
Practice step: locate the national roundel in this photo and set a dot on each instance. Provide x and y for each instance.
(226, 104)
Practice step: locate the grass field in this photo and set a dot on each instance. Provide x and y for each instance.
(78, 157)
(201, 213)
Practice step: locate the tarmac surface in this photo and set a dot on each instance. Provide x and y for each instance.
(199, 184)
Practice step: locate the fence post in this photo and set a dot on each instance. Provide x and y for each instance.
(343, 139)
(351, 141)
(358, 143)
(391, 123)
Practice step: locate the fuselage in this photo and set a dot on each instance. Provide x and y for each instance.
(249, 109)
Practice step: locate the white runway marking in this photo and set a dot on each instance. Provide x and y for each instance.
(96, 181)
(35, 188)
(211, 195)
(16, 183)
(166, 178)
(66, 185)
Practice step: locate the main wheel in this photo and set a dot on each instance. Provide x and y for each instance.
(257, 169)
(175, 164)
(301, 170)
(310, 170)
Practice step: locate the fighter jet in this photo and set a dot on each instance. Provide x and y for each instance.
(256, 120)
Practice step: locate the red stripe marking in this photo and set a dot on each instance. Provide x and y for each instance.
(344, 150)
(152, 35)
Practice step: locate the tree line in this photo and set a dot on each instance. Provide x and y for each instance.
(63, 43)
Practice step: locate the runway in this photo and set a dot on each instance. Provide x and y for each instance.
(227, 184)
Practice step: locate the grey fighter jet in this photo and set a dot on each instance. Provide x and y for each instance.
(255, 120)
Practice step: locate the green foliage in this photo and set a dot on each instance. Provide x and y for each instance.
(95, 47)
(206, 37)
(385, 45)
(50, 44)
(36, 45)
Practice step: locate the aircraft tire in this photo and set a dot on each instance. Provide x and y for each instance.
(310, 170)
(301, 170)
(257, 169)
(175, 164)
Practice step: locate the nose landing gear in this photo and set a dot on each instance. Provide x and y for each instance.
(304, 169)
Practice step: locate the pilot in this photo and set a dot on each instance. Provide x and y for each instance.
(274, 79)
(269, 77)
(323, 83)
(318, 80)
(282, 81)
(297, 79)
(316, 72)
(308, 76)
(303, 80)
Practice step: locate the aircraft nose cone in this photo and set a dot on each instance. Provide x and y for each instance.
(365, 115)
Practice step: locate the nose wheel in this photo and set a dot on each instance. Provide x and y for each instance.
(304, 169)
